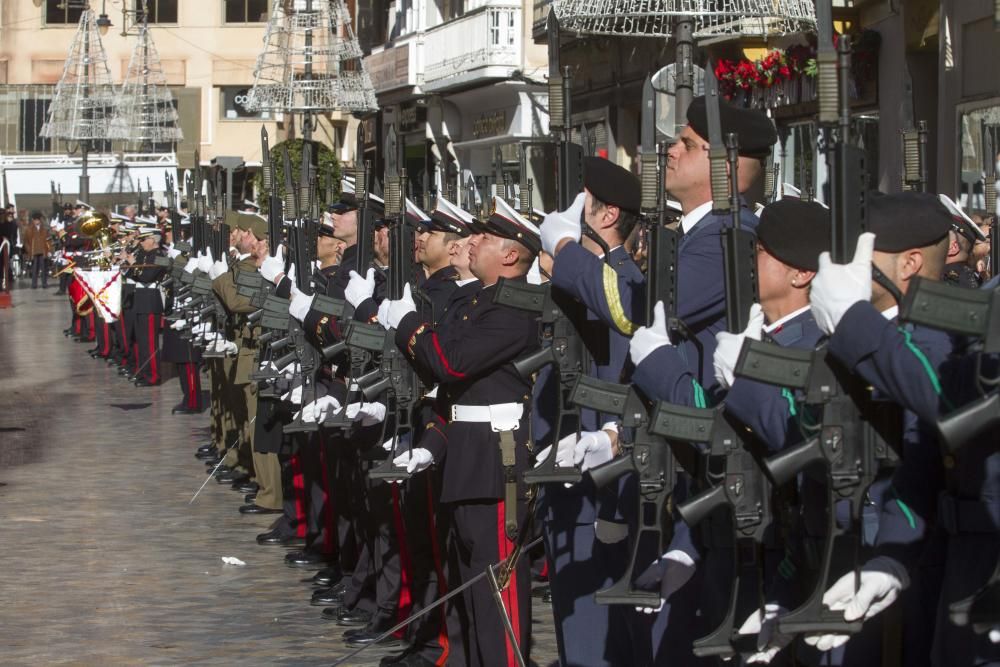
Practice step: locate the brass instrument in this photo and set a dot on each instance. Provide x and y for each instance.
(97, 226)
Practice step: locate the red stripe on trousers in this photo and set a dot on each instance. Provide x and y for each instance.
(152, 349)
(298, 488)
(193, 390)
(106, 350)
(91, 329)
(509, 594)
(405, 564)
(442, 582)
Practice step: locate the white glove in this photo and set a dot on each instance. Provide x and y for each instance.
(227, 347)
(178, 325)
(205, 261)
(647, 339)
(837, 287)
(369, 413)
(218, 268)
(415, 460)
(204, 327)
(769, 640)
(358, 289)
(591, 450)
(383, 311)
(994, 634)
(564, 452)
(272, 267)
(173, 253)
(677, 568)
(388, 444)
(399, 308)
(291, 370)
(560, 225)
(300, 305)
(728, 346)
(294, 395)
(882, 580)
(320, 409)
(192, 264)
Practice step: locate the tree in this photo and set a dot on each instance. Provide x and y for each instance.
(328, 172)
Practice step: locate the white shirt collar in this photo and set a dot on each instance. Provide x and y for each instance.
(242, 256)
(466, 281)
(768, 328)
(890, 313)
(691, 219)
(610, 250)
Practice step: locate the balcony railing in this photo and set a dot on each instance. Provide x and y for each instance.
(485, 43)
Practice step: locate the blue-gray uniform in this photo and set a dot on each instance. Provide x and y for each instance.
(619, 299)
(961, 489)
(587, 633)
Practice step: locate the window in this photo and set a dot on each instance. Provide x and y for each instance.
(62, 11)
(33, 113)
(160, 11)
(246, 11)
(233, 107)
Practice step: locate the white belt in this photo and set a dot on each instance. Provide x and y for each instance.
(500, 417)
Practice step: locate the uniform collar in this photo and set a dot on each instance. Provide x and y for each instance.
(891, 313)
(694, 217)
(775, 327)
(240, 257)
(467, 281)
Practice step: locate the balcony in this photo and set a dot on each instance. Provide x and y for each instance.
(484, 44)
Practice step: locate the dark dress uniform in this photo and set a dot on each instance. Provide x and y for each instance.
(587, 633)
(147, 306)
(961, 274)
(469, 359)
(962, 490)
(185, 356)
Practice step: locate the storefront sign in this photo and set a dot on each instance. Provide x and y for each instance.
(490, 124)
(412, 117)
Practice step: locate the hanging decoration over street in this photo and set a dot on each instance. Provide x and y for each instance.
(145, 110)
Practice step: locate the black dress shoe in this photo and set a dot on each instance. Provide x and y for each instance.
(246, 487)
(277, 538)
(207, 447)
(124, 371)
(94, 353)
(205, 455)
(253, 508)
(305, 559)
(352, 617)
(212, 462)
(181, 409)
(369, 634)
(327, 597)
(143, 382)
(249, 498)
(327, 577)
(228, 476)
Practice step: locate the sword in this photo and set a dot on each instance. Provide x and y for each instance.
(219, 464)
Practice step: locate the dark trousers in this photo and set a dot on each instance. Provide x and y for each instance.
(102, 331)
(147, 344)
(476, 541)
(38, 268)
(425, 540)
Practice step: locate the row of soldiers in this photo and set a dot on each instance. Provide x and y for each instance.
(418, 396)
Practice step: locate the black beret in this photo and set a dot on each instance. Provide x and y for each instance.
(907, 220)
(612, 184)
(754, 129)
(795, 232)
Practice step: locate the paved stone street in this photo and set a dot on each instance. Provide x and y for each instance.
(102, 559)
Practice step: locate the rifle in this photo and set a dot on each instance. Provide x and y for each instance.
(736, 481)
(647, 454)
(303, 240)
(275, 228)
(399, 382)
(851, 440)
(55, 201)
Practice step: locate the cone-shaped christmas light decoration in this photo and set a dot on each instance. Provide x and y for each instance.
(84, 100)
(656, 18)
(145, 109)
(311, 61)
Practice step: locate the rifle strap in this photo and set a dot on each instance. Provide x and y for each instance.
(508, 459)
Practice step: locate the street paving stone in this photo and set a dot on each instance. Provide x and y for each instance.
(103, 561)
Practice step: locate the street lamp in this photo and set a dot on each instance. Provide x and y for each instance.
(103, 23)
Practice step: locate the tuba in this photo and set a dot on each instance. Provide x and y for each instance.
(97, 226)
